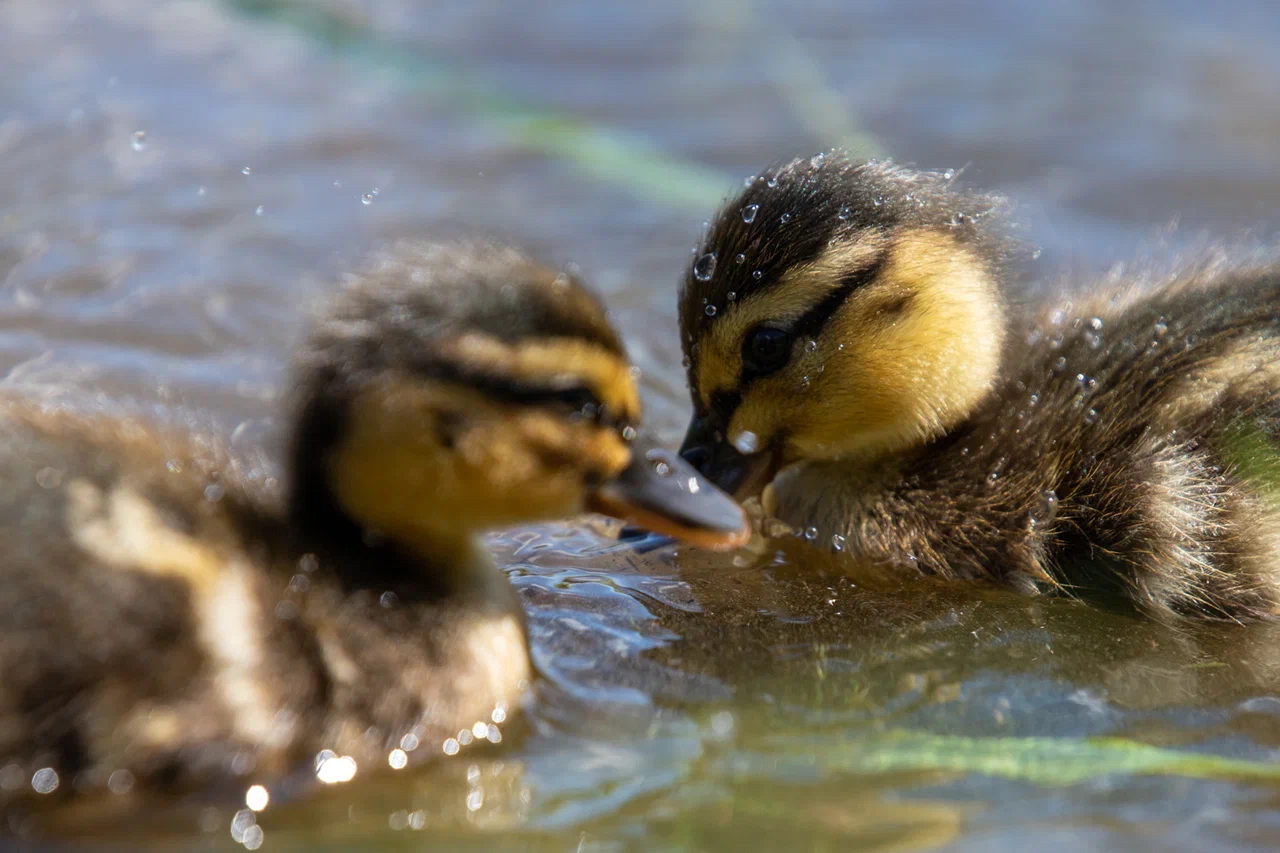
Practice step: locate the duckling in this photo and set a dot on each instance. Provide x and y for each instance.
(856, 359)
(167, 616)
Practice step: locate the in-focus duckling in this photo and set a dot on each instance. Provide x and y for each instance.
(849, 341)
(165, 618)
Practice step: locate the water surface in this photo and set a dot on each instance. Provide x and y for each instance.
(177, 178)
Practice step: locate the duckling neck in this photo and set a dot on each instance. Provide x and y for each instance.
(415, 563)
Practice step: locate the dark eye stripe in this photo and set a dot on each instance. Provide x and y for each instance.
(810, 325)
(812, 322)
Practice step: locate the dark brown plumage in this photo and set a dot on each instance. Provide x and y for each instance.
(1120, 442)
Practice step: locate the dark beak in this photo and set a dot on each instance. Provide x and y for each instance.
(707, 448)
(661, 492)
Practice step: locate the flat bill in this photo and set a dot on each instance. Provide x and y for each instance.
(661, 492)
(720, 462)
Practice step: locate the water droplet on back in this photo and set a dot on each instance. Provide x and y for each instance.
(837, 542)
(817, 160)
(705, 267)
(757, 275)
(1046, 510)
(844, 213)
(785, 218)
(710, 310)
(749, 213)
(739, 258)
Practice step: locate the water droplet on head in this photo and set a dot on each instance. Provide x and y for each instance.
(772, 183)
(139, 140)
(705, 267)
(749, 213)
(1035, 255)
(785, 218)
(804, 381)
(1060, 365)
(757, 275)
(710, 310)
(817, 160)
(844, 213)
(748, 180)
(628, 433)
(811, 534)
(837, 542)
(811, 345)
(731, 295)
(879, 201)
(948, 174)
(1091, 416)
(1161, 327)
(739, 258)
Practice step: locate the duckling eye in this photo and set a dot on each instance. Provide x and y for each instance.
(765, 350)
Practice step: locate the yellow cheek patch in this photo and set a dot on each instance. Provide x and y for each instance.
(428, 463)
(537, 362)
(905, 378)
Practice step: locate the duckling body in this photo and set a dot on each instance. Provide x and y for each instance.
(1116, 443)
(164, 615)
(164, 619)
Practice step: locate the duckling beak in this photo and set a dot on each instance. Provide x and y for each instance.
(662, 493)
(707, 449)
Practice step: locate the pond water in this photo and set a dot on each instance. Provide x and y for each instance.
(176, 178)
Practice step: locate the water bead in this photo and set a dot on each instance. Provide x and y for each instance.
(705, 267)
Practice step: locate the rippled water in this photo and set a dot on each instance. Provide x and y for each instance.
(177, 177)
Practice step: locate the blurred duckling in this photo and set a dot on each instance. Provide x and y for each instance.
(855, 359)
(166, 619)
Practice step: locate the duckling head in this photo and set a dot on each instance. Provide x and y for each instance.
(454, 389)
(837, 309)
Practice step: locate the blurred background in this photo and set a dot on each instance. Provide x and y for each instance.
(178, 178)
